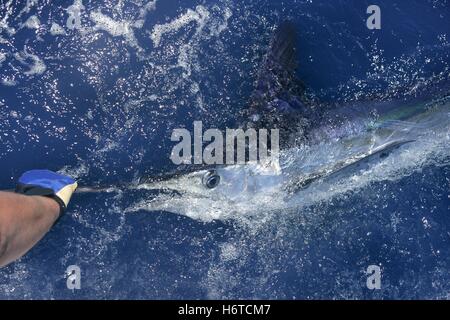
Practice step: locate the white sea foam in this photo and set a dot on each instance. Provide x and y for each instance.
(200, 15)
(105, 23)
(148, 7)
(220, 26)
(115, 28)
(75, 172)
(7, 11)
(228, 252)
(28, 6)
(8, 82)
(206, 23)
(2, 57)
(32, 22)
(37, 65)
(56, 30)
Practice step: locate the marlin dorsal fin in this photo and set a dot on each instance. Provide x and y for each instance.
(277, 100)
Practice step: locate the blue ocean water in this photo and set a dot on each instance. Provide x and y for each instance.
(99, 101)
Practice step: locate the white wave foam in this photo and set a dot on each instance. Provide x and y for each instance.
(37, 66)
(207, 22)
(8, 82)
(2, 57)
(75, 172)
(228, 252)
(220, 26)
(28, 6)
(7, 10)
(200, 15)
(105, 23)
(149, 6)
(115, 28)
(56, 30)
(32, 23)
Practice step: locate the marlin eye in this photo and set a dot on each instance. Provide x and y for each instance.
(211, 179)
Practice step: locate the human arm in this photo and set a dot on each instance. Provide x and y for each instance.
(27, 215)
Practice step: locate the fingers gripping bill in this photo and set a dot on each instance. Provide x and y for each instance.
(47, 183)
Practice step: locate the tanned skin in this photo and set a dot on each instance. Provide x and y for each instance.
(24, 220)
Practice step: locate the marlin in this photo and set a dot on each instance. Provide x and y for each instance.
(324, 149)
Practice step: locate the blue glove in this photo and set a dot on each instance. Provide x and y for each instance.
(47, 183)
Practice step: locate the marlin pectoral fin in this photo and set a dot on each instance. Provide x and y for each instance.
(375, 155)
(361, 163)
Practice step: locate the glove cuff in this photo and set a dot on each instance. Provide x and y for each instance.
(31, 190)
